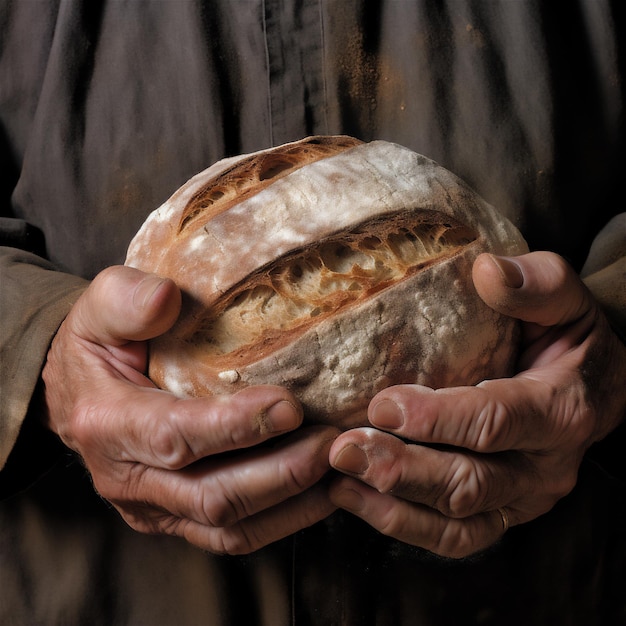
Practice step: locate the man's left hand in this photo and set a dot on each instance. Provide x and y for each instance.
(450, 469)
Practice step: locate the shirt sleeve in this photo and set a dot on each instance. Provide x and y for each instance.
(34, 300)
(604, 272)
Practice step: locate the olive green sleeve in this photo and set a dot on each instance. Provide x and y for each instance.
(604, 272)
(34, 300)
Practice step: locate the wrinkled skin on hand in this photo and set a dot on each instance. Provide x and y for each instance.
(186, 467)
(438, 464)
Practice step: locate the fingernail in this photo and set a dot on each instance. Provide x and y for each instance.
(283, 416)
(510, 271)
(349, 499)
(145, 290)
(352, 460)
(386, 414)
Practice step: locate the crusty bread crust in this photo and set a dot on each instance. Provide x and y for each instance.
(330, 266)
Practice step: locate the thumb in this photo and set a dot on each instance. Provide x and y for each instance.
(539, 287)
(123, 304)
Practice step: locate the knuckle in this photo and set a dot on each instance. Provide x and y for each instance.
(396, 524)
(223, 506)
(237, 541)
(464, 492)
(166, 524)
(456, 541)
(82, 427)
(238, 423)
(232, 426)
(168, 444)
(225, 423)
(494, 424)
(221, 512)
(295, 482)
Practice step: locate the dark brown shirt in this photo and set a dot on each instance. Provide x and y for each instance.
(106, 108)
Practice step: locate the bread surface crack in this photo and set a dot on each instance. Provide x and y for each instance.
(307, 286)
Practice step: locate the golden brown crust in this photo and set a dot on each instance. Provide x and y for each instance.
(256, 172)
(329, 266)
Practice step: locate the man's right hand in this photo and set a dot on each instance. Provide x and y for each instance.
(185, 467)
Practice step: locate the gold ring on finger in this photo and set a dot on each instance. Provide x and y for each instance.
(505, 518)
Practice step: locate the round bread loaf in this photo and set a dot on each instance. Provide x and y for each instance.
(330, 266)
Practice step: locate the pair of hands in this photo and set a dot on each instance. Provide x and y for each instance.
(440, 469)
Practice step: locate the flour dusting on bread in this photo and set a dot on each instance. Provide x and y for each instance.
(331, 266)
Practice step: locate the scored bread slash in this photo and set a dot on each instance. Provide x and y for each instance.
(332, 267)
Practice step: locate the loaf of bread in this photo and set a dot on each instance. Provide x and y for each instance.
(332, 267)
